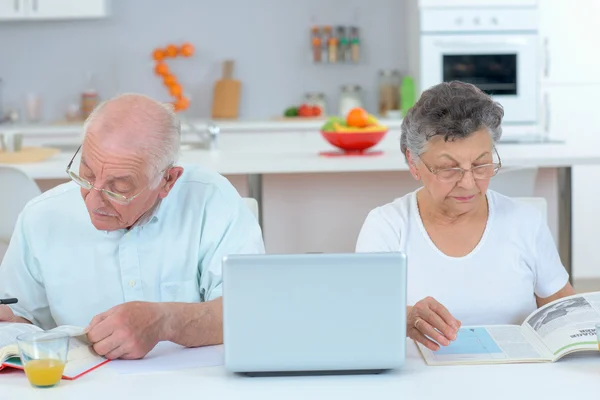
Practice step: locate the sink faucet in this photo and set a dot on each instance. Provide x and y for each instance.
(209, 138)
(213, 135)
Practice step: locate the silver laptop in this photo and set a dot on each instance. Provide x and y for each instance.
(314, 313)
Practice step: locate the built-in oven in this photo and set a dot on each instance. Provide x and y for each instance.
(493, 48)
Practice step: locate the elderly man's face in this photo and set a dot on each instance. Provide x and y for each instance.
(467, 193)
(111, 167)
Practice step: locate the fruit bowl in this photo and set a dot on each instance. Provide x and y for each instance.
(354, 141)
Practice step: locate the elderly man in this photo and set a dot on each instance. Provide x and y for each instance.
(132, 247)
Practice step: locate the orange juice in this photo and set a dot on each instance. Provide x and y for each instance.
(44, 372)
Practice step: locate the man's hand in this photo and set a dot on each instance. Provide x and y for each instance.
(129, 330)
(7, 315)
(429, 319)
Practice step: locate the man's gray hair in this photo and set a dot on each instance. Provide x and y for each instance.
(164, 136)
(453, 110)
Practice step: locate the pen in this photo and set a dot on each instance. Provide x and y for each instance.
(8, 301)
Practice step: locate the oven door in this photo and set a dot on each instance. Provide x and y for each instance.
(504, 66)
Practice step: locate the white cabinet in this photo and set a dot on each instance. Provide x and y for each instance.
(572, 117)
(27, 10)
(11, 9)
(569, 113)
(568, 34)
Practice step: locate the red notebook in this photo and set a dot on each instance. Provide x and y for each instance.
(81, 358)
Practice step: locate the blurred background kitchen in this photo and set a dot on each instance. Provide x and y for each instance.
(255, 80)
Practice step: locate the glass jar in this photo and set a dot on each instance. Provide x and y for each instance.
(316, 99)
(350, 97)
(389, 88)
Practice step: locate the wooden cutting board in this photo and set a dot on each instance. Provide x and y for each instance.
(226, 95)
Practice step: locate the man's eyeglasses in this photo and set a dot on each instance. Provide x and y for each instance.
(87, 185)
(480, 172)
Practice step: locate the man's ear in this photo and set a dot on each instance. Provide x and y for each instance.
(412, 166)
(173, 174)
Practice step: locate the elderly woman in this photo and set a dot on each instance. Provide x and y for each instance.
(474, 256)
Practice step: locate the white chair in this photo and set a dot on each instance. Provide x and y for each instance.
(252, 205)
(538, 202)
(17, 189)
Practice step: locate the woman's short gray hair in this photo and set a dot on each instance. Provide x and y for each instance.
(453, 110)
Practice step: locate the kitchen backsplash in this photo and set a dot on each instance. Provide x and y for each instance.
(268, 39)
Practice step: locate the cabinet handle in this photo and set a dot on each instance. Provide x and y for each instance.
(35, 5)
(16, 4)
(547, 113)
(546, 58)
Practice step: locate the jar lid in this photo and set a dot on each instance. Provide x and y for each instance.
(351, 88)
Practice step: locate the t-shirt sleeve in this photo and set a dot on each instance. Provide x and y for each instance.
(551, 275)
(378, 234)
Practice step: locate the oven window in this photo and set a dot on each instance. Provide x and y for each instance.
(495, 74)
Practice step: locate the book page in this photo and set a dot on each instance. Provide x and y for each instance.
(486, 345)
(9, 332)
(567, 324)
(81, 358)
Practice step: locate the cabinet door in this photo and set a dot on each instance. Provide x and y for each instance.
(573, 110)
(569, 112)
(66, 9)
(568, 32)
(12, 10)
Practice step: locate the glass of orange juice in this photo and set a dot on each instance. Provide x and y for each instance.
(44, 356)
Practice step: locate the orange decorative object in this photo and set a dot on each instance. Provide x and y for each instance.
(158, 55)
(170, 81)
(161, 69)
(186, 50)
(171, 51)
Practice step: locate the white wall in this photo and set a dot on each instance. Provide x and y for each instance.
(268, 39)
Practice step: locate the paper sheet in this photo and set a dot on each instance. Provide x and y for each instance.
(167, 356)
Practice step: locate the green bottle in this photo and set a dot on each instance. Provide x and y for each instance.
(407, 94)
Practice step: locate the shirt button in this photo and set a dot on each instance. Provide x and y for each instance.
(132, 283)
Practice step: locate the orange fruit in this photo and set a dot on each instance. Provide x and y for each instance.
(357, 117)
(158, 54)
(161, 69)
(171, 51)
(175, 90)
(186, 50)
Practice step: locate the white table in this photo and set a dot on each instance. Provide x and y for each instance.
(575, 376)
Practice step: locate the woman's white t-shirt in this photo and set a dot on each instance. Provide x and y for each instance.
(496, 283)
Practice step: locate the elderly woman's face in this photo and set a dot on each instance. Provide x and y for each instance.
(465, 193)
(109, 167)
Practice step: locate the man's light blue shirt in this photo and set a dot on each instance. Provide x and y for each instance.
(64, 271)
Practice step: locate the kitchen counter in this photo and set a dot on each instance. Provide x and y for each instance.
(291, 153)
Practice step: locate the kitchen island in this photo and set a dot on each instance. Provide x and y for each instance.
(311, 203)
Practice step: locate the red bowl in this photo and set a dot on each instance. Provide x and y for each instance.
(356, 141)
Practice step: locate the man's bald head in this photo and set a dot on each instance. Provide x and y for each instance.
(139, 124)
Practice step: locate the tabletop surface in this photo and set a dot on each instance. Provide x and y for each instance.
(560, 380)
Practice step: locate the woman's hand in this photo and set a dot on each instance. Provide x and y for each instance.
(429, 319)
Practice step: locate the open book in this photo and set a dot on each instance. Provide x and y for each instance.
(80, 360)
(551, 332)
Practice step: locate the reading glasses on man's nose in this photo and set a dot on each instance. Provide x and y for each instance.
(87, 185)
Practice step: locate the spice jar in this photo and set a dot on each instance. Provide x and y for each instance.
(89, 101)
